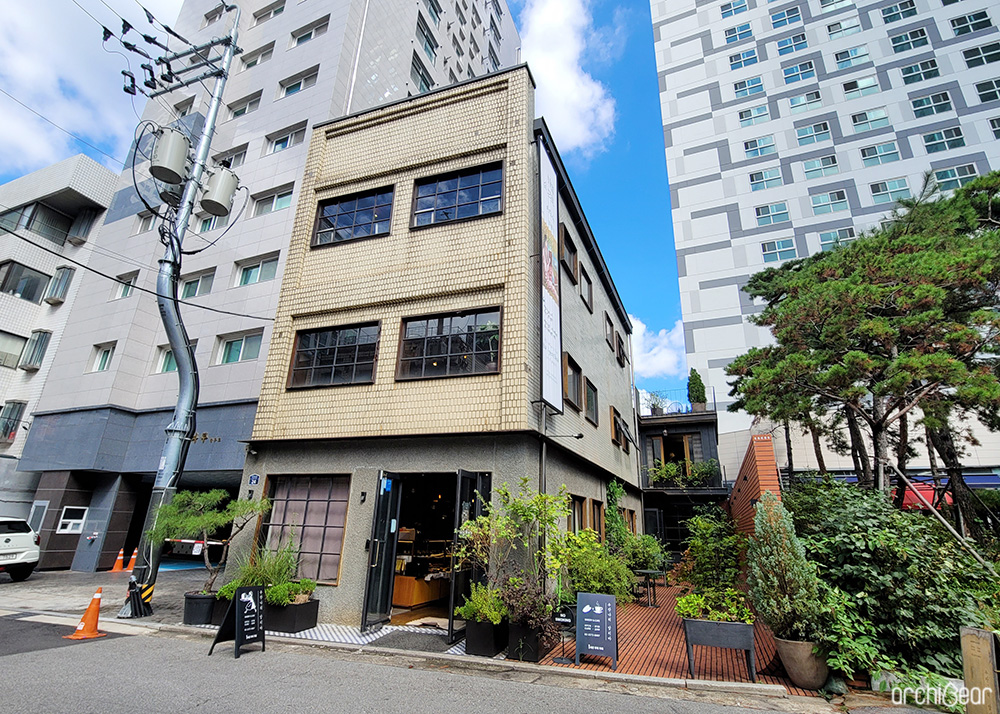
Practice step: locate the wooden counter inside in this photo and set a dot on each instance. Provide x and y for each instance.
(409, 591)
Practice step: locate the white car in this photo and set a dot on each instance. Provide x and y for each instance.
(19, 551)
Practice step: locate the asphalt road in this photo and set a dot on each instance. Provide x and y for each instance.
(151, 673)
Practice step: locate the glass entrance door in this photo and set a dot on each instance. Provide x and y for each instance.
(382, 553)
(467, 507)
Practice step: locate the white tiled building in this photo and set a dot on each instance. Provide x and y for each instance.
(791, 126)
(113, 385)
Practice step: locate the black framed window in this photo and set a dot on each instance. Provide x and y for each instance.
(335, 355)
(360, 215)
(451, 345)
(459, 195)
(590, 402)
(586, 289)
(312, 511)
(572, 382)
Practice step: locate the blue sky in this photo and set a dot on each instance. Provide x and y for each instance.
(597, 88)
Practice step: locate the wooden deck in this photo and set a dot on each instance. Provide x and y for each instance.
(651, 643)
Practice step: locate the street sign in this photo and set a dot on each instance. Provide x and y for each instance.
(244, 623)
(597, 626)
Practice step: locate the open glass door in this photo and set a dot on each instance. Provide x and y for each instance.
(382, 553)
(467, 507)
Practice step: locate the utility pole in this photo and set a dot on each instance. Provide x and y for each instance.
(182, 427)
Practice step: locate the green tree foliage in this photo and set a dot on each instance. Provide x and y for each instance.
(201, 514)
(900, 586)
(696, 388)
(615, 528)
(590, 568)
(784, 588)
(712, 558)
(901, 318)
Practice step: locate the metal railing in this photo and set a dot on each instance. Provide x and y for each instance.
(674, 401)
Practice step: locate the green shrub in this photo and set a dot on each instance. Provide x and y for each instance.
(901, 573)
(592, 569)
(727, 605)
(615, 528)
(784, 588)
(275, 570)
(712, 558)
(483, 605)
(696, 388)
(643, 553)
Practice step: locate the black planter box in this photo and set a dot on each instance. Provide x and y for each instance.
(523, 644)
(484, 638)
(198, 608)
(731, 635)
(219, 611)
(291, 618)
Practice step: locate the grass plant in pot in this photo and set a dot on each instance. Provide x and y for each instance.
(785, 592)
(486, 621)
(202, 514)
(518, 544)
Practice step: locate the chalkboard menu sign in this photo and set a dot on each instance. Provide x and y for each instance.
(597, 626)
(244, 623)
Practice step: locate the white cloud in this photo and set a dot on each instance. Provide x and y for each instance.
(51, 59)
(557, 36)
(658, 354)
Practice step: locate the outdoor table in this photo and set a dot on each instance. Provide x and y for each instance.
(650, 577)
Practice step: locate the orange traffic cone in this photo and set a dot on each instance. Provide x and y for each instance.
(131, 563)
(87, 629)
(119, 562)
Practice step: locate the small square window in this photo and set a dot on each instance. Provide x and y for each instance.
(244, 106)
(805, 102)
(210, 223)
(773, 213)
(198, 285)
(273, 202)
(943, 140)
(146, 222)
(125, 285)
(267, 13)
(880, 154)
(931, 104)
(920, 71)
(11, 421)
(34, 351)
(776, 250)
(995, 126)
(890, 191)
(252, 59)
(103, 354)
(829, 240)
(289, 87)
(72, 520)
(258, 271)
(241, 349)
(823, 166)
(286, 140)
(829, 202)
(754, 115)
(300, 37)
(861, 87)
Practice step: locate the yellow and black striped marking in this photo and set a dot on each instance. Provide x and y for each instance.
(146, 593)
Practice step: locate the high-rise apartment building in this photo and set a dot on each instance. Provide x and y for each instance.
(108, 398)
(791, 127)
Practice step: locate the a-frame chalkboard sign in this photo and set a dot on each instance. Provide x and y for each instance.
(244, 623)
(597, 626)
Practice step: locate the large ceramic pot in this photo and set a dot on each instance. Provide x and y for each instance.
(484, 638)
(198, 608)
(805, 669)
(731, 635)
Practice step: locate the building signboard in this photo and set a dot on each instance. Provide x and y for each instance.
(597, 626)
(551, 316)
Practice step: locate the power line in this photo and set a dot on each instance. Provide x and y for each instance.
(136, 287)
(66, 131)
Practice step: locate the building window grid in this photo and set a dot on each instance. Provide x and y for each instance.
(823, 166)
(290, 87)
(786, 17)
(740, 32)
(829, 240)
(754, 115)
(335, 356)
(799, 72)
(241, 349)
(880, 154)
(747, 87)
(890, 191)
(761, 146)
(768, 178)
(10, 420)
(851, 57)
(988, 91)
(861, 87)
(950, 138)
(813, 134)
(426, 38)
(909, 40)
(457, 196)
(456, 344)
(734, 8)
(843, 28)
(948, 179)
(830, 202)
(870, 120)
(34, 351)
(899, 11)
(826, 5)
(200, 285)
(791, 44)
(979, 56)
(273, 202)
(971, 23)
(356, 216)
(776, 250)
(258, 271)
(805, 102)
(22, 282)
(931, 104)
(995, 127)
(743, 59)
(103, 354)
(771, 214)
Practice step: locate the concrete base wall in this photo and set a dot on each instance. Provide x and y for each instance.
(17, 489)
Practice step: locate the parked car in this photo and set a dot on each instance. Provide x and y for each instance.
(19, 551)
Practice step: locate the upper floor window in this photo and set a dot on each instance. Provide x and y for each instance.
(338, 355)
(871, 119)
(768, 178)
(11, 348)
(586, 289)
(34, 352)
(609, 331)
(197, 285)
(300, 37)
(451, 345)
(590, 402)
(234, 157)
(734, 8)
(426, 39)
(568, 253)
(851, 57)
(740, 32)
(126, 285)
(988, 91)
(418, 74)
(791, 44)
(572, 382)
(978, 56)
(786, 17)
(268, 12)
(210, 223)
(861, 87)
(102, 356)
(461, 194)
(241, 349)
(10, 420)
(906, 8)
(950, 138)
(805, 102)
(259, 56)
(244, 106)
(970, 23)
(798, 72)
(828, 240)
(273, 202)
(754, 115)
(995, 126)
(927, 69)
(286, 139)
(822, 166)
(72, 519)
(775, 250)
(812, 134)
(829, 202)
(433, 11)
(843, 28)
(743, 59)
(258, 271)
(890, 191)
(761, 146)
(212, 16)
(59, 285)
(948, 179)
(746, 87)
(909, 40)
(880, 154)
(22, 282)
(773, 213)
(356, 216)
(294, 85)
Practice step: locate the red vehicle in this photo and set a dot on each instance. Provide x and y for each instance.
(912, 503)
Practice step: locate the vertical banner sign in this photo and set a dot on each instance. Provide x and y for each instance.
(551, 317)
(597, 626)
(244, 623)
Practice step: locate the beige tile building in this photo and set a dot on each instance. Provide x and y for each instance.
(405, 364)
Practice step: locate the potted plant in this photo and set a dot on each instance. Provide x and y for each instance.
(655, 402)
(717, 618)
(289, 605)
(696, 391)
(200, 514)
(485, 618)
(785, 591)
(518, 543)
